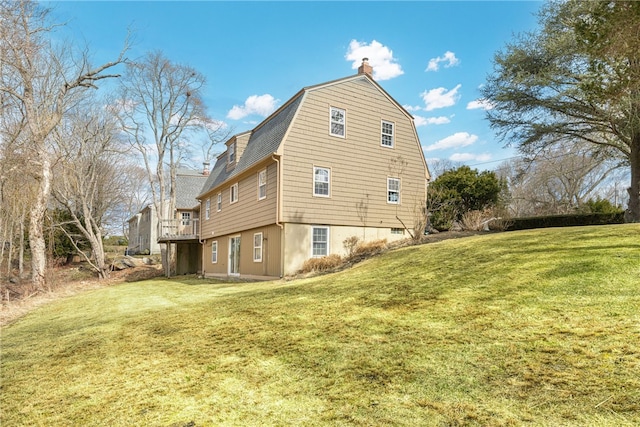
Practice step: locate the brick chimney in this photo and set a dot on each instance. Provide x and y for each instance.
(205, 168)
(365, 68)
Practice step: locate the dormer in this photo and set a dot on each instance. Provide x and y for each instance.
(235, 148)
(232, 153)
(241, 143)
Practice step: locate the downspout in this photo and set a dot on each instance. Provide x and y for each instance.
(201, 243)
(276, 158)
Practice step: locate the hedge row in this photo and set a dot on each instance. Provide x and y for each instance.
(565, 221)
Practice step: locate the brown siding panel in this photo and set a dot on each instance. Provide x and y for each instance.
(359, 163)
(270, 266)
(248, 211)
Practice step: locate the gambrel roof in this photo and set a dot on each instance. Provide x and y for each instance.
(266, 138)
(264, 141)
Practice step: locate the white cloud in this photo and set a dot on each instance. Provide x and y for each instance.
(440, 97)
(466, 157)
(262, 105)
(419, 121)
(480, 104)
(424, 121)
(412, 108)
(459, 139)
(380, 57)
(442, 120)
(449, 58)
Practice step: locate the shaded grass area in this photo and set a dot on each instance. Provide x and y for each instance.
(539, 327)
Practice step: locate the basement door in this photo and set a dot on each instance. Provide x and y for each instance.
(234, 256)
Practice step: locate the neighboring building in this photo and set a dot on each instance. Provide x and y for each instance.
(180, 227)
(337, 160)
(143, 232)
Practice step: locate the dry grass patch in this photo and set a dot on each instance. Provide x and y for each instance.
(520, 328)
(21, 298)
(322, 264)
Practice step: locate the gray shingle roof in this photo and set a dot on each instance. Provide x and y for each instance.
(188, 186)
(214, 177)
(267, 136)
(264, 141)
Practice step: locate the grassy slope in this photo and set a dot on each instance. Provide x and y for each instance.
(539, 327)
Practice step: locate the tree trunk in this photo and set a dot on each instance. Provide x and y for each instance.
(3, 237)
(8, 236)
(21, 253)
(634, 188)
(103, 269)
(10, 254)
(98, 251)
(36, 224)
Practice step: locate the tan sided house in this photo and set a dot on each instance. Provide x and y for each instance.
(339, 159)
(143, 232)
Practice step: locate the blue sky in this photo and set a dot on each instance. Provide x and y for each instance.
(431, 56)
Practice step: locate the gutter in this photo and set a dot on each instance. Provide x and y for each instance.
(276, 158)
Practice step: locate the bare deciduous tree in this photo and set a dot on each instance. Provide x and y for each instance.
(39, 82)
(88, 181)
(557, 180)
(161, 107)
(135, 196)
(440, 166)
(15, 191)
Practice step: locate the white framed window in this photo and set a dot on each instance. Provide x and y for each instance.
(231, 153)
(214, 252)
(337, 122)
(262, 184)
(257, 247)
(387, 134)
(321, 181)
(219, 208)
(397, 230)
(393, 190)
(207, 208)
(319, 241)
(186, 218)
(233, 193)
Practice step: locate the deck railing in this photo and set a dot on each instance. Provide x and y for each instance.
(182, 228)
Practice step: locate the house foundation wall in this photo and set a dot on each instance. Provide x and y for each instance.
(298, 239)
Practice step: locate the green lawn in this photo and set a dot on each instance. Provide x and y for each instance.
(538, 328)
